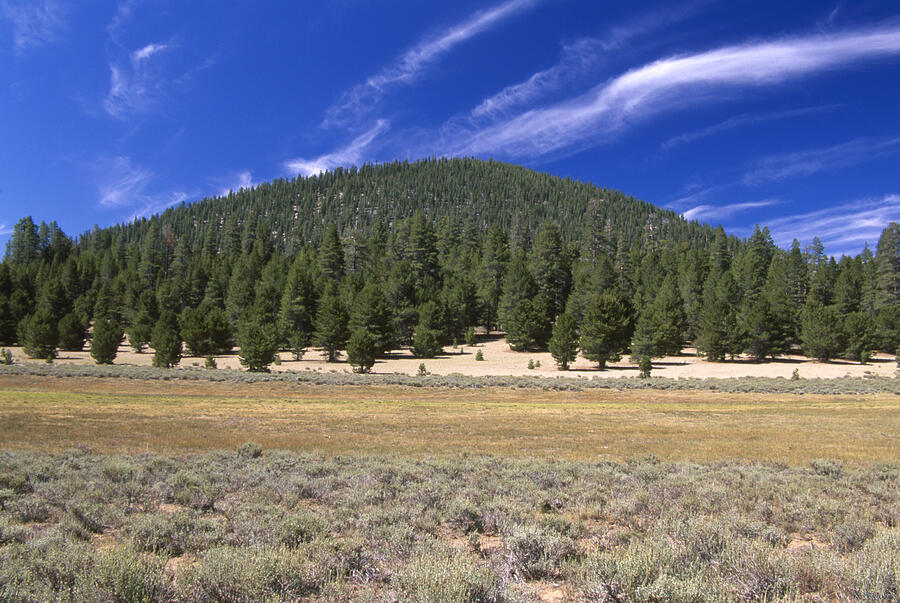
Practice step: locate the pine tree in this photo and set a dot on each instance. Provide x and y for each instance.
(38, 335)
(372, 314)
(166, 341)
(518, 285)
(72, 332)
(550, 267)
(361, 350)
(331, 324)
(427, 337)
(105, 341)
(660, 327)
(607, 328)
(140, 330)
(719, 335)
(859, 335)
(820, 331)
(494, 260)
(257, 343)
(564, 341)
(299, 302)
(888, 268)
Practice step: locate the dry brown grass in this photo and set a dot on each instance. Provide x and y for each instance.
(131, 416)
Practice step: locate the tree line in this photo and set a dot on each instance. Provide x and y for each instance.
(359, 274)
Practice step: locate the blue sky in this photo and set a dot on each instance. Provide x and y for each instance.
(740, 112)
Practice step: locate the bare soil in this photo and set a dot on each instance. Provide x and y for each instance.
(500, 360)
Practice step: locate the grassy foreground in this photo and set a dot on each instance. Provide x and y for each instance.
(146, 490)
(126, 416)
(259, 525)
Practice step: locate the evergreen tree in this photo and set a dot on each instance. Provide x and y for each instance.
(550, 267)
(38, 335)
(421, 251)
(859, 335)
(607, 328)
(361, 350)
(166, 341)
(820, 331)
(140, 331)
(105, 340)
(494, 259)
(518, 285)
(331, 324)
(564, 341)
(7, 322)
(257, 342)
(719, 335)
(888, 329)
(298, 302)
(331, 255)
(427, 337)
(528, 326)
(193, 331)
(372, 314)
(23, 246)
(660, 327)
(72, 332)
(888, 268)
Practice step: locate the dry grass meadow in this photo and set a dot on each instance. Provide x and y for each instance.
(128, 416)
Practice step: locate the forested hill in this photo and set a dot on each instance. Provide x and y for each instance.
(466, 195)
(422, 254)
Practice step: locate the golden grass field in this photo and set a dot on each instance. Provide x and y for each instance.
(127, 416)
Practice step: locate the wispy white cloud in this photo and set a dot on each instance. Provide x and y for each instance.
(238, 181)
(352, 154)
(147, 51)
(719, 212)
(156, 204)
(361, 98)
(124, 183)
(135, 86)
(671, 83)
(745, 120)
(844, 229)
(577, 58)
(621, 34)
(35, 22)
(5, 230)
(805, 163)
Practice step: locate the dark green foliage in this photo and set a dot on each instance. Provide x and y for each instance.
(206, 330)
(166, 341)
(479, 356)
(331, 324)
(105, 340)
(257, 343)
(72, 332)
(859, 335)
(821, 334)
(7, 322)
(140, 330)
(564, 341)
(888, 329)
(719, 334)
(550, 267)
(661, 326)
(299, 301)
(470, 337)
(361, 351)
(528, 326)
(645, 365)
(607, 328)
(372, 314)
(427, 338)
(38, 335)
(888, 268)
(331, 255)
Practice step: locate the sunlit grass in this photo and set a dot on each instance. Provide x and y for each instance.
(128, 416)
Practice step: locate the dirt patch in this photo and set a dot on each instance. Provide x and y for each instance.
(500, 360)
(800, 543)
(550, 592)
(171, 508)
(104, 541)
